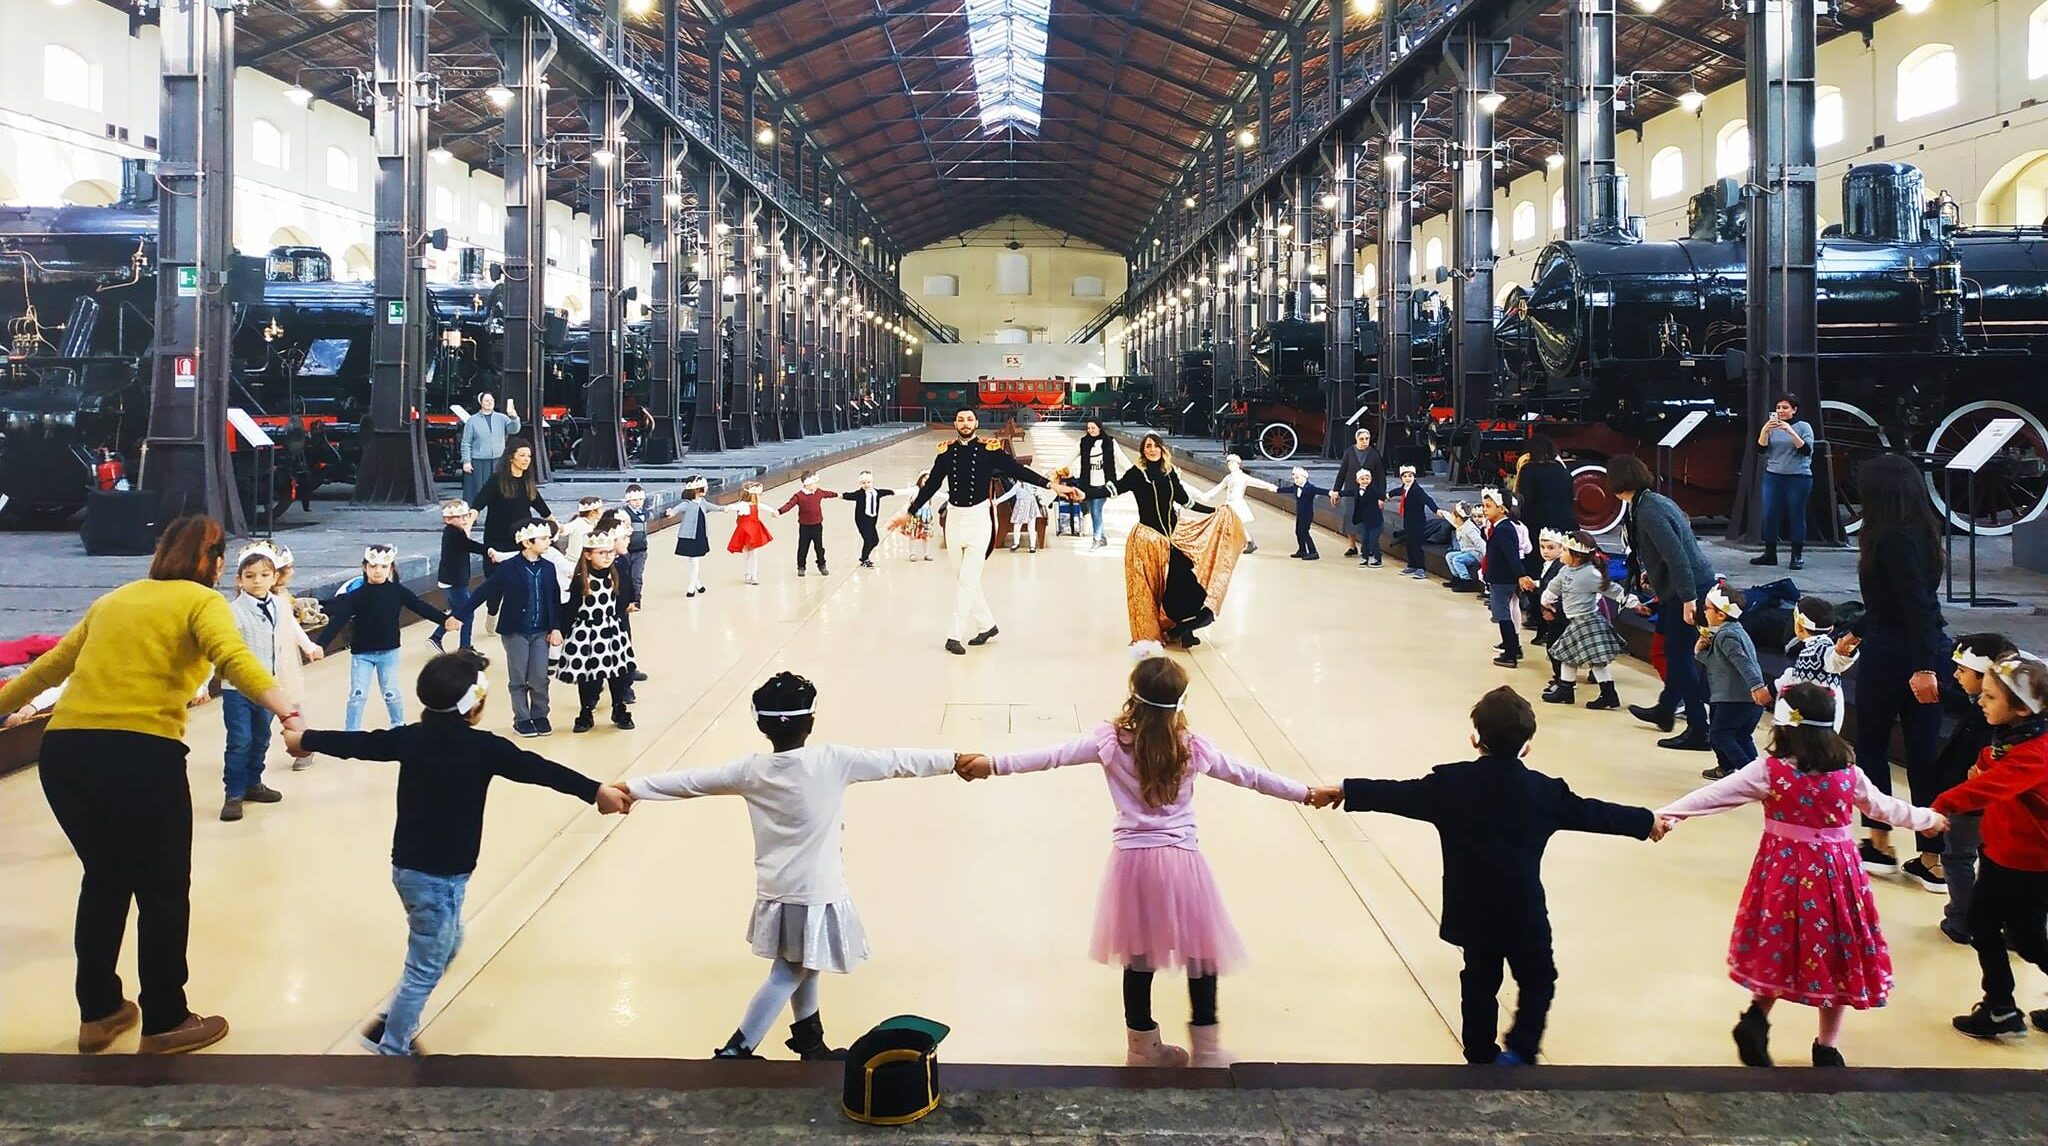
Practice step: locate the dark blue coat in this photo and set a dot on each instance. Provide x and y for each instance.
(529, 593)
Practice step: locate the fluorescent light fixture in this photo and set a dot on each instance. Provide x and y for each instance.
(298, 95)
(1008, 40)
(601, 157)
(1490, 102)
(639, 7)
(1395, 160)
(1649, 5)
(826, 202)
(1190, 202)
(765, 136)
(498, 94)
(1366, 7)
(1691, 99)
(864, 240)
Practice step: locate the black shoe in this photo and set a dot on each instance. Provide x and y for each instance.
(1917, 869)
(1189, 640)
(2039, 1019)
(1297, 555)
(1716, 773)
(1312, 556)
(867, 565)
(1984, 1023)
(1508, 660)
(1608, 698)
(1663, 718)
(260, 793)
(638, 675)
(1687, 741)
(1351, 552)
(1797, 563)
(1203, 619)
(1753, 1038)
(1877, 862)
(1767, 557)
(799, 573)
(735, 1047)
(1827, 1056)
(1375, 560)
(982, 638)
(523, 728)
(1961, 938)
(541, 727)
(622, 717)
(956, 648)
(585, 721)
(1559, 692)
(822, 571)
(807, 1039)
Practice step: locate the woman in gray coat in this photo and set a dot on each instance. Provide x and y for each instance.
(1665, 557)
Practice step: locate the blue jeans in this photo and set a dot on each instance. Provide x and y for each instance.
(1785, 497)
(1464, 566)
(1731, 729)
(1095, 515)
(433, 920)
(1685, 685)
(458, 606)
(360, 666)
(248, 726)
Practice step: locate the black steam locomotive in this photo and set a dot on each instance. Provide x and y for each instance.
(1925, 331)
(77, 300)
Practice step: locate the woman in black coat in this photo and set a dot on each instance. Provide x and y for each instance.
(511, 498)
(1543, 490)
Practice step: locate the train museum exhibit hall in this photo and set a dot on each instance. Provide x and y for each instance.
(786, 571)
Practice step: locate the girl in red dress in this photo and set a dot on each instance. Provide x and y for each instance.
(750, 534)
(1806, 930)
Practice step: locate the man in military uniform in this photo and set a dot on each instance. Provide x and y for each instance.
(966, 466)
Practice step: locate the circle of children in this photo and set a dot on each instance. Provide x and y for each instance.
(1806, 929)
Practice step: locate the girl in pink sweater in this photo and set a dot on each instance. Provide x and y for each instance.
(1160, 907)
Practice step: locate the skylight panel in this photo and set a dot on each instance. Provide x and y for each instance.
(1008, 38)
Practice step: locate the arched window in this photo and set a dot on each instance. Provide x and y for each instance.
(1369, 281)
(341, 169)
(2037, 43)
(266, 143)
(1731, 151)
(1557, 210)
(444, 204)
(67, 78)
(554, 244)
(1667, 173)
(1433, 254)
(1524, 221)
(1927, 81)
(1827, 117)
(486, 222)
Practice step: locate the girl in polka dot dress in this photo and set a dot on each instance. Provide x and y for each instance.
(598, 650)
(1806, 930)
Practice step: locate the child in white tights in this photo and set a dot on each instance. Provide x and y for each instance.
(804, 921)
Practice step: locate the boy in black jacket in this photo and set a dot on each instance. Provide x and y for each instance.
(445, 767)
(453, 573)
(1305, 494)
(1974, 655)
(1417, 510)
(376, 606)
(1501, 570)
(1494, 816)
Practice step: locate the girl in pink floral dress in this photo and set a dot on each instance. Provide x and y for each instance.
(1806, 930)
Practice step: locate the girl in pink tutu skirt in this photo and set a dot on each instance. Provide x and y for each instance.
(1160, 907)
(1806, 930)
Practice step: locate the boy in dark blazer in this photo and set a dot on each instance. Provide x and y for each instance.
(1494, 816)
(1305, 494)
(867, 506)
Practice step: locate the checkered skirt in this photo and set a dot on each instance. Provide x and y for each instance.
(1588, 640)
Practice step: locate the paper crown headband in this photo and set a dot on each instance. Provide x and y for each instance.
(456, 508)
(255, 549)
(1571, 541)
(380, 555)
(1406, 470)
(697, 483)
(531, 531)
(1552, 536)
(284, 557)
(1718, 597)
(473, 696)
(2024, 686)
(1493, 495)
(601, 539)
(786, 712)
(585, 505)
(1975, 662)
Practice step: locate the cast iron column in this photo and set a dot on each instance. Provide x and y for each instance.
(1340, 308)
(394, 470)
(1590, 185)
(1396, 117)
(1272, 270)
(1297, 243)
(707, 414)
(185, 458)
(1334, 57)
(664, 441)
(1783, 347)
(742, 431)
(604, 441)
(1246, 284)
(780, 413)
(1474, 361)
(525, 58)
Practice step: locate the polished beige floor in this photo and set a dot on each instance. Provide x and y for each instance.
(594, 936)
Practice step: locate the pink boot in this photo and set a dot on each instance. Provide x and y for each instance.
(1143, 1048)
(1207, 1047)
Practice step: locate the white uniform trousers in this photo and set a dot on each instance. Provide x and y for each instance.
(968, 532)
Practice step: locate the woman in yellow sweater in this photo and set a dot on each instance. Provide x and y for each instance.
(113, 769)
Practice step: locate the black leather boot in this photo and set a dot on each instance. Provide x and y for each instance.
(622, 717)
(1799, 562)
(1608, 698)
(807, 1039)
(1559, 692)
(1768, 557)
(586, 719)
(735, 1047)
(1753, 1038)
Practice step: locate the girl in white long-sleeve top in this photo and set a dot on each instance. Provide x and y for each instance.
(1806, 930)
(804, 921)
(1230, 492)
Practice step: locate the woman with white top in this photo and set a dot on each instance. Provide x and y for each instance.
(1230, 492)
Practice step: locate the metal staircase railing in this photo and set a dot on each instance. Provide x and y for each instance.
(1093, 328)
(940, 332)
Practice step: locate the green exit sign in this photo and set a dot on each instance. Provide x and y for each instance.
(188, 282)
(394, 312)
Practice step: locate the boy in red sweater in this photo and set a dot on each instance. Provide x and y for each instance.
(809, 503)
(2010, 785)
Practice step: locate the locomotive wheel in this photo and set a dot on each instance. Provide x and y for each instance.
(1853, 436)
(1278, 441)
(1597, 508)
(2012, 487)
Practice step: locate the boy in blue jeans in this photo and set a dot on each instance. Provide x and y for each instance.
(445, 768)
(1736, 692)
(248, 723)
(375, 606)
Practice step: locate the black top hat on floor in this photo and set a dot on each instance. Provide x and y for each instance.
(892, 1072)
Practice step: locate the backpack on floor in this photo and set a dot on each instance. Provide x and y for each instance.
(892, 1072)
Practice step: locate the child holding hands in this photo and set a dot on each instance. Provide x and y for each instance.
(1736, 692)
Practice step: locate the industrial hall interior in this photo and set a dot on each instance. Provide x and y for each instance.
(1508, 533)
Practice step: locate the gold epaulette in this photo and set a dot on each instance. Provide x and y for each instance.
(944, 446)
(991, 444)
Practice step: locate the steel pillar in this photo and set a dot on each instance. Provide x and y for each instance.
(1297, 46)
(664, 440)
(524, 59)
(1271, 269)
(1265, 110)
(1782, 192)
(1340, 375)
(1297, 245)
(393, 470)
(781, 380)
(1474, 360)
(741, 430)
(1221, 315)
(604, 441)
(1591, 193)
(185, 458)
(808, 357)
(1334, 57)
(1396, 116)
(1246, 283)
(707, 414)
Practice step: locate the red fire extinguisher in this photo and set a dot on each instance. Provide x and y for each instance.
(108, 471)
